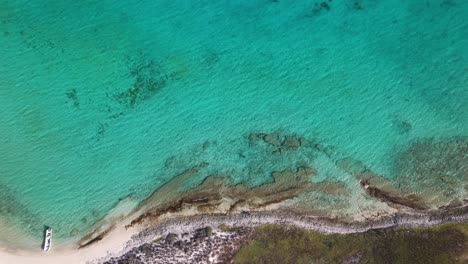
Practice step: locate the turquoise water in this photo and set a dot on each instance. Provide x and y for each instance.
(104, 99)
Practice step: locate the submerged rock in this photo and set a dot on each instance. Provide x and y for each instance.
(351, 166)
(272, 139)
(291, 143)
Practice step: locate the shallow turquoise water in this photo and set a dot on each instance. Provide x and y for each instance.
(101, 100)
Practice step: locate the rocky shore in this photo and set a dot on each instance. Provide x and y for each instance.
(203, 239)
(202, 245)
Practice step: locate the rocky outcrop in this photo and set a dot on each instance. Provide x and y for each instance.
(201, 245)
(213, 192)
(387, 197)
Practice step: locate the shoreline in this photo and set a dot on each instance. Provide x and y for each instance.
(320, 224)
(284, 201)
(129, 224)
(120, 239)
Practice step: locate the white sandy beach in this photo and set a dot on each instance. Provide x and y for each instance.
(113, 242)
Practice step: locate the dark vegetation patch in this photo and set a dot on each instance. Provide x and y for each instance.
(279, 244)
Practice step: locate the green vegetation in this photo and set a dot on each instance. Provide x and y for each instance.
(280, 244)
(227, 228)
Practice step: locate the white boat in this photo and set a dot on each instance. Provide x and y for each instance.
(47, 239)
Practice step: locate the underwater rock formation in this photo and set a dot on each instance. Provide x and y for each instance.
(294, 187)
(149, 78)
(410, 201)
(214, 192)
(435, 169)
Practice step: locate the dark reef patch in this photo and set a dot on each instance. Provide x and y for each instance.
(149, 79)
(147, 76)
(150, 76)
(357, 5)
(73, 97)
(321, 7)
(402, 126)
